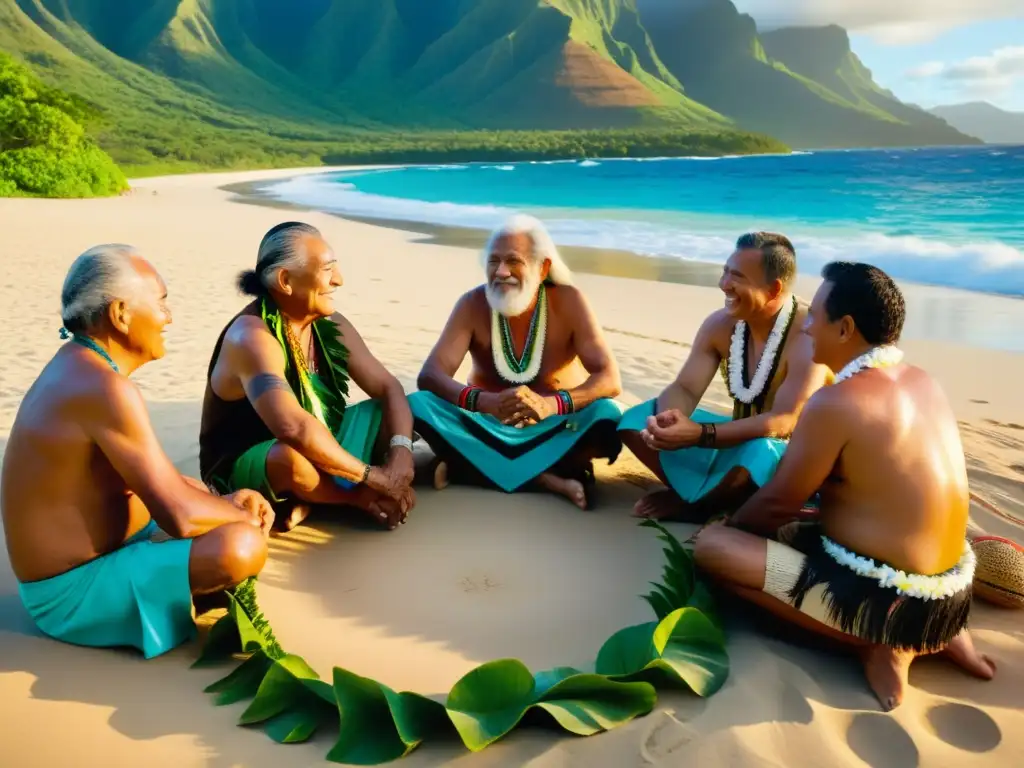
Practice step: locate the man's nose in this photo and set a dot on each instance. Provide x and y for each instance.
(502, 271)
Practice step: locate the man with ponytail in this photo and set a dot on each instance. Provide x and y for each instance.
(275, 415)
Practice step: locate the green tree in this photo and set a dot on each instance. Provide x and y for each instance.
(45, 150)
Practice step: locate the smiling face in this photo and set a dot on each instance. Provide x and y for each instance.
(310, 286)
(513, 275)
(142, 319)
(743, 282)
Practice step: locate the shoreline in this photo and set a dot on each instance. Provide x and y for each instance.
(982, 319)
(474, 573)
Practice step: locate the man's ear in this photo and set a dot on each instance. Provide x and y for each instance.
(847, 328)
(284, 282)
(545, 269)
(120, 315)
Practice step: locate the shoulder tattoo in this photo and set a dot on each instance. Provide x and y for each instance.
(262, 383)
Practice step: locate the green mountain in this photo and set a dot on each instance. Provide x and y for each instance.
(804, 86)
(268, 82)
(986, 121)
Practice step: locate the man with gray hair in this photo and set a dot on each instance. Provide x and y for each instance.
(537, 408)
(276, 417)
(108, 541)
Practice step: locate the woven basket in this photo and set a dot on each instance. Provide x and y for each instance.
(999, 576)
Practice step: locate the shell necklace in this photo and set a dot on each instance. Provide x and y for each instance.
(520, 370)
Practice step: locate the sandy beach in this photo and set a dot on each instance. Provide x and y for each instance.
(474, 575)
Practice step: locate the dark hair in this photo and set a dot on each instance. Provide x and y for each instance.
(278, 249)
(869, 297)
(778, 256)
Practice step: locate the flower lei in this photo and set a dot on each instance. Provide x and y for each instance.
(524, 369)
(938, 587)
(879, 357)
(765, 366)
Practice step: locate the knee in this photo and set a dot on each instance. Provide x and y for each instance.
(290, 471)
(242, 552)
(711, 548)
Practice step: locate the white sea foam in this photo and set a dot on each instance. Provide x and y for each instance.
(979, 266)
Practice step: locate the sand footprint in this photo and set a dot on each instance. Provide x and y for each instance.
(965, 727)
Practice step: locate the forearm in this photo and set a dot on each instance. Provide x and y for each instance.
(439, 383)
(200, 511)
(739, 431)
(316, 443)
(600, 385)
(678, 398)
(397, 414)
(762, 515)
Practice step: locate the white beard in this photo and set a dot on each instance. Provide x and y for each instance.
(513, 301)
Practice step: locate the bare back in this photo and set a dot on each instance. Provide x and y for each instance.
(63, 502)
(561, 367)
(898, 492)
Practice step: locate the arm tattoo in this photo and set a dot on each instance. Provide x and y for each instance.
(262, 383)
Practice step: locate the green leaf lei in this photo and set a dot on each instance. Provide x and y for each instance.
(684, 648)
(329, 390)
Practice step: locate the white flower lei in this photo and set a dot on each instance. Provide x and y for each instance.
(537, 353)
(738, 353)
(879, 357)
(938, 587)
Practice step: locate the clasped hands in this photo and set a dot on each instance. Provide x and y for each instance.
(670, 430)
(517, 407)
(394, 479)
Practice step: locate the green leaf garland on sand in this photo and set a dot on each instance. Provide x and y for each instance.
(684, 648)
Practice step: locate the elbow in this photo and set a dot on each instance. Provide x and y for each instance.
(425, 380)
(290, 432)
(612, 384)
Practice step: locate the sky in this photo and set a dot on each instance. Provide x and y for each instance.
(928, 52)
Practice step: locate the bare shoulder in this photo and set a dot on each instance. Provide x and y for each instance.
(247, 331)
(716, 331)
(829, 404)
(471, 307)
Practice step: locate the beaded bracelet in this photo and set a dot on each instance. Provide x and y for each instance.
(468, 397)
(565, 403)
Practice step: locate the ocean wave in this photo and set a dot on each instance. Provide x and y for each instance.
(991, 267)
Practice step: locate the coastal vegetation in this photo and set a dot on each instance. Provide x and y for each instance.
(44, 148)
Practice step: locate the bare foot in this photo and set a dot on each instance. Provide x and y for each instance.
(887, 671)
(663, 505)
(961, 651)
(572, 489)
(440, 475)
(292, 517)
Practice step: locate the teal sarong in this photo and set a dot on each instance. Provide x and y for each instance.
(137, 596)
(509, 457)
(693, 472)
(358, 435)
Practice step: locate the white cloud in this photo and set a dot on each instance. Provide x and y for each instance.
(979, 75)
(893, 22)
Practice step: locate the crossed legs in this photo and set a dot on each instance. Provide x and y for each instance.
(737, 560)
(735, 488)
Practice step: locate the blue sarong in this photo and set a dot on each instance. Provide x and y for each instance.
(693, 472)
(137, 596)
(509, 457)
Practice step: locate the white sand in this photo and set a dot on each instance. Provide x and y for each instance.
(474, 575)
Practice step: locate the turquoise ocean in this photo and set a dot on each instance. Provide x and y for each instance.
(949, 217)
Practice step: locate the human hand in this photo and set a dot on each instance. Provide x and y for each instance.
(389, 485)
(670, 430)
(400, 466)
(261, 514)
(385, 510)
(527, 407)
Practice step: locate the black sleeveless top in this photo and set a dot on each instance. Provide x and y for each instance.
(229, 427)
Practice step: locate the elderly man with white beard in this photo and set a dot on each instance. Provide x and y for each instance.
(537, 408)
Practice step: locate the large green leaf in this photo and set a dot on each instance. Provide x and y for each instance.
(221, 642)
(379, 725)
(243, 682)
(691, 646)
(490, 701)
(627, 651)
(281, 690)
(586, 704)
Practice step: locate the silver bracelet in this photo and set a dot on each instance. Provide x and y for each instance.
(401, 441)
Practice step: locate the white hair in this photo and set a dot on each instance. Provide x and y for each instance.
(97, 278)
(281, 248)
(543, 246)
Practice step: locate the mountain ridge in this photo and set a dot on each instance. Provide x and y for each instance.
(315, 70)
(984, 120)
